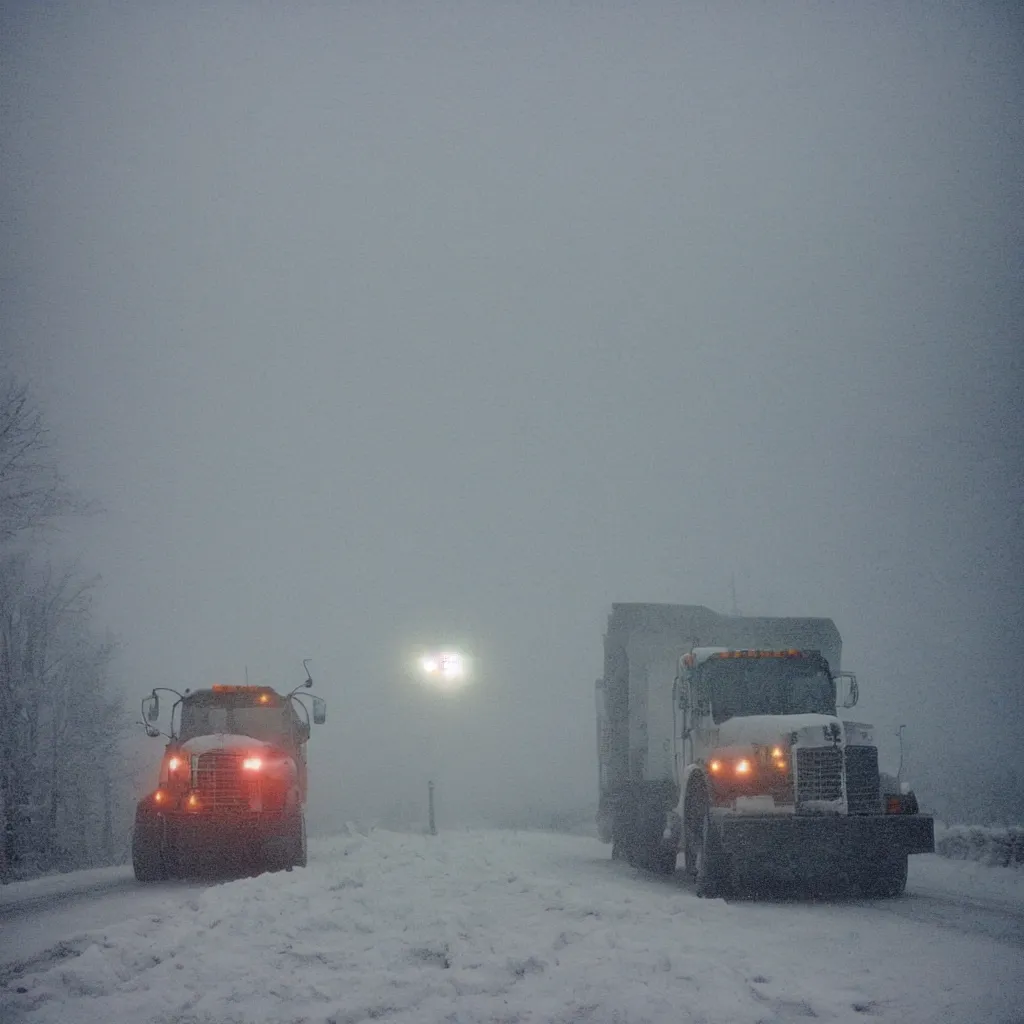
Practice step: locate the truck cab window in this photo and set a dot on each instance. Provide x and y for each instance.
(272, 724)
(769, 686)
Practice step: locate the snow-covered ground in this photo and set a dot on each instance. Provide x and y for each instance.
(55, 886)
(491, 926)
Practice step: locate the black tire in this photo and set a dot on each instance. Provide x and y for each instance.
(705, 861)
(624, 837)
(652, 851)
(300, 851)
(887, 878)
(147, 852)
(286, 849)
(665, 860)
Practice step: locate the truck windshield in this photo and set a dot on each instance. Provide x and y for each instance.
(769, 686)
(272, 724)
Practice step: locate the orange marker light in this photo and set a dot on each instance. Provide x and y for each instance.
(158, 796)
(193, 801)
(715, 766)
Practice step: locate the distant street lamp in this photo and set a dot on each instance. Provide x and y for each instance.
(446, 671)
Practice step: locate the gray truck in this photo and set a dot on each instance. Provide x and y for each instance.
(727, 739)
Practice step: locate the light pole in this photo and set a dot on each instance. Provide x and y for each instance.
(445, 671)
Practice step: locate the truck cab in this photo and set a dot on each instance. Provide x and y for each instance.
(735, 750)
(232, 782)
(750, 722)
(769, 773)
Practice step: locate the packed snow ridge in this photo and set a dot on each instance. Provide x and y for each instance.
(491, 926)
(997, 847)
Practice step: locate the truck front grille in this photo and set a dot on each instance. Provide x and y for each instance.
(862, 792)
(819, 774)
(218, 779)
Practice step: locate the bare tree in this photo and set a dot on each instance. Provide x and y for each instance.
(60, 726)
(32, 492)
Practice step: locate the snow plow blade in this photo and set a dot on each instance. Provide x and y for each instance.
(806, 846)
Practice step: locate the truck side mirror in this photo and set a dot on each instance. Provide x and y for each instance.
(851, 692)
(151, 708)
(319, 711)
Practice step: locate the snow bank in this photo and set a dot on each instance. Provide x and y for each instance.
(997, 847)
(486, 927)
(66, 884)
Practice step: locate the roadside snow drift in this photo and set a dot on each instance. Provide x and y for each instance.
(997, 847)
(490, 926)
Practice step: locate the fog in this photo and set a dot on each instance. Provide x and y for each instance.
(372, 326)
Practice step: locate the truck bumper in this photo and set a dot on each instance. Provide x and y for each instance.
(806, 846)
(200, 842)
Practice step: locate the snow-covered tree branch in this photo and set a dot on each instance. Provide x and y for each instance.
(60, 722)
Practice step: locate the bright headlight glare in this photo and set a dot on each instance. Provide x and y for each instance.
(452, 666)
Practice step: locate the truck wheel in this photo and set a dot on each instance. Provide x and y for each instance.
(286, 849)
(708, 868)
(665, 860)
(626, 842)
(705, 861)
(886, 878)
(299, 847)
(147, 855)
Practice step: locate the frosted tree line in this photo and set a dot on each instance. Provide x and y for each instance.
(63, 785)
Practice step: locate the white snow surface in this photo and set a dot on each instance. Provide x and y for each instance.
(500, 926)
(61, 884)
(222, 741)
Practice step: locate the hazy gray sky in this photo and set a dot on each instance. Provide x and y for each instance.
(370, 324)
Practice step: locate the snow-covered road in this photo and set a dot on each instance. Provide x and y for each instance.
(493, 926)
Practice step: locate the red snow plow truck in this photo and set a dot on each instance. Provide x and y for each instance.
(232, 787)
